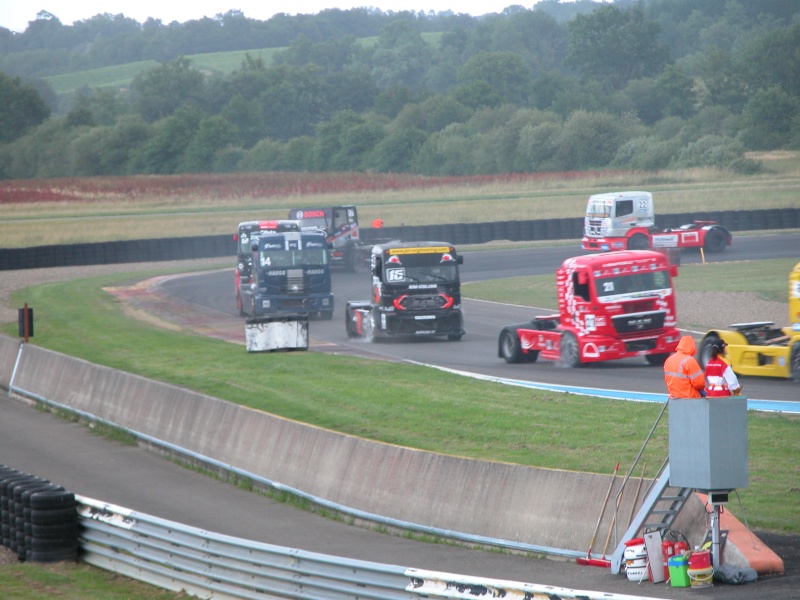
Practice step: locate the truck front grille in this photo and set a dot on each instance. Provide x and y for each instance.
(633, 323)
(427, 302)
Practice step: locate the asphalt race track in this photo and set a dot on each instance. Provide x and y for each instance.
(65, 453)
(477, 351)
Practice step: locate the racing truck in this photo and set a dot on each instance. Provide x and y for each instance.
(416, 292)
(610, 306)
(289, 272)
(246, 233)
(626, 221)
(340, 224)
(760, 348)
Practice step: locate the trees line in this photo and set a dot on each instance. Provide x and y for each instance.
(652, 85)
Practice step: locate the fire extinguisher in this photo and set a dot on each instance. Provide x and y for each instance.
(681, 547)
(667, 552)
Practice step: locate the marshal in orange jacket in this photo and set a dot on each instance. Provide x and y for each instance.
(682, 373)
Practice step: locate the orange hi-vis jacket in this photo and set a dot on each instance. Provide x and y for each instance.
(682, 373)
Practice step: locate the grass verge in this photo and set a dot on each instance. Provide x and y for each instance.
(416, 406)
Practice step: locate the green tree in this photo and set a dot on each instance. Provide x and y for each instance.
(767, 119)
(505, 73)
(396, 152)
(293, 102)
(160, 91)
(676, 92)
(163, 151)
(590, 140)
(401, 57)
(21, 108)
(774, 60)
(213, 134)
(613, 46)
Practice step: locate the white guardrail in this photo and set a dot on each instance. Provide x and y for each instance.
(209, 565)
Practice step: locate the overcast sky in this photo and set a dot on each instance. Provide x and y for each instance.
(15, 14)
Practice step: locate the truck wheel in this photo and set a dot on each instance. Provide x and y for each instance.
(454, 337)
(349, 323)
(656, 360)
(712, 339)
(239, 305)
(570, 354)
(509, 346)
(716, 240)
(795, 362)
(638, 242)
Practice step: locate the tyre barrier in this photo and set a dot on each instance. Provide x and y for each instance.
(38, 519)
(216, 246)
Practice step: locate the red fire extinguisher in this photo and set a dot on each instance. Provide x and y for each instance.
(681, 547)
(667, 552)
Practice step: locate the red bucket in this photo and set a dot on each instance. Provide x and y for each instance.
(700, 559)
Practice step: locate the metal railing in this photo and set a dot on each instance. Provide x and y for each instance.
(200, 563)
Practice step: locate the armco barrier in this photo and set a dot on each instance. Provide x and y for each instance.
(459, 234)
(180, 558)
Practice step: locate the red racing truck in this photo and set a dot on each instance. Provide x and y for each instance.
(626, 221)
(610, 306)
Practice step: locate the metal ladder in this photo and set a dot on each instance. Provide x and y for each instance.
(660, 508)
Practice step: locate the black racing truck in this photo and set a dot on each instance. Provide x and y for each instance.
(416, 292)
(289, 273)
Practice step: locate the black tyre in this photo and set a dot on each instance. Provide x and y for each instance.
(326, 315)
(454, 337)
(508, 344)
(795, 361)
(716, 240)
(49, 532)
(704, 355)
(349, 323)
(638, 242)
(240, 305)
(45, 499)
(54, 556)
(657, 360)
(570, 353)
(54, 516)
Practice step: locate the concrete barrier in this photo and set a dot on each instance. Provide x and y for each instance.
(500, 501)
(9, 348)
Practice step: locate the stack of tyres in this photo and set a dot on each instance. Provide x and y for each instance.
(39, 518)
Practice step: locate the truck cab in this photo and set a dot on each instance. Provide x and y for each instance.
(626, 221)
(760, 349)
(610, 306)
(340, 224)
(416, 292)
(246, 233)
(290, 274)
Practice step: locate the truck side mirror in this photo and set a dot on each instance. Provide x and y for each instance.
(673, 270)
(254, 246)
(460, 259)
(583, 278)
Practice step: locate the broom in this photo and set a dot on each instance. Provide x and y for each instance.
(589, 560)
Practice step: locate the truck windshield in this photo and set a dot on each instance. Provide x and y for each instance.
(246, 237)
(293, 258)
(598, 209)
(632, 285)
(421, 268)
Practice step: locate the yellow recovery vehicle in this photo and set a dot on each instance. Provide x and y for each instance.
(760, 349)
